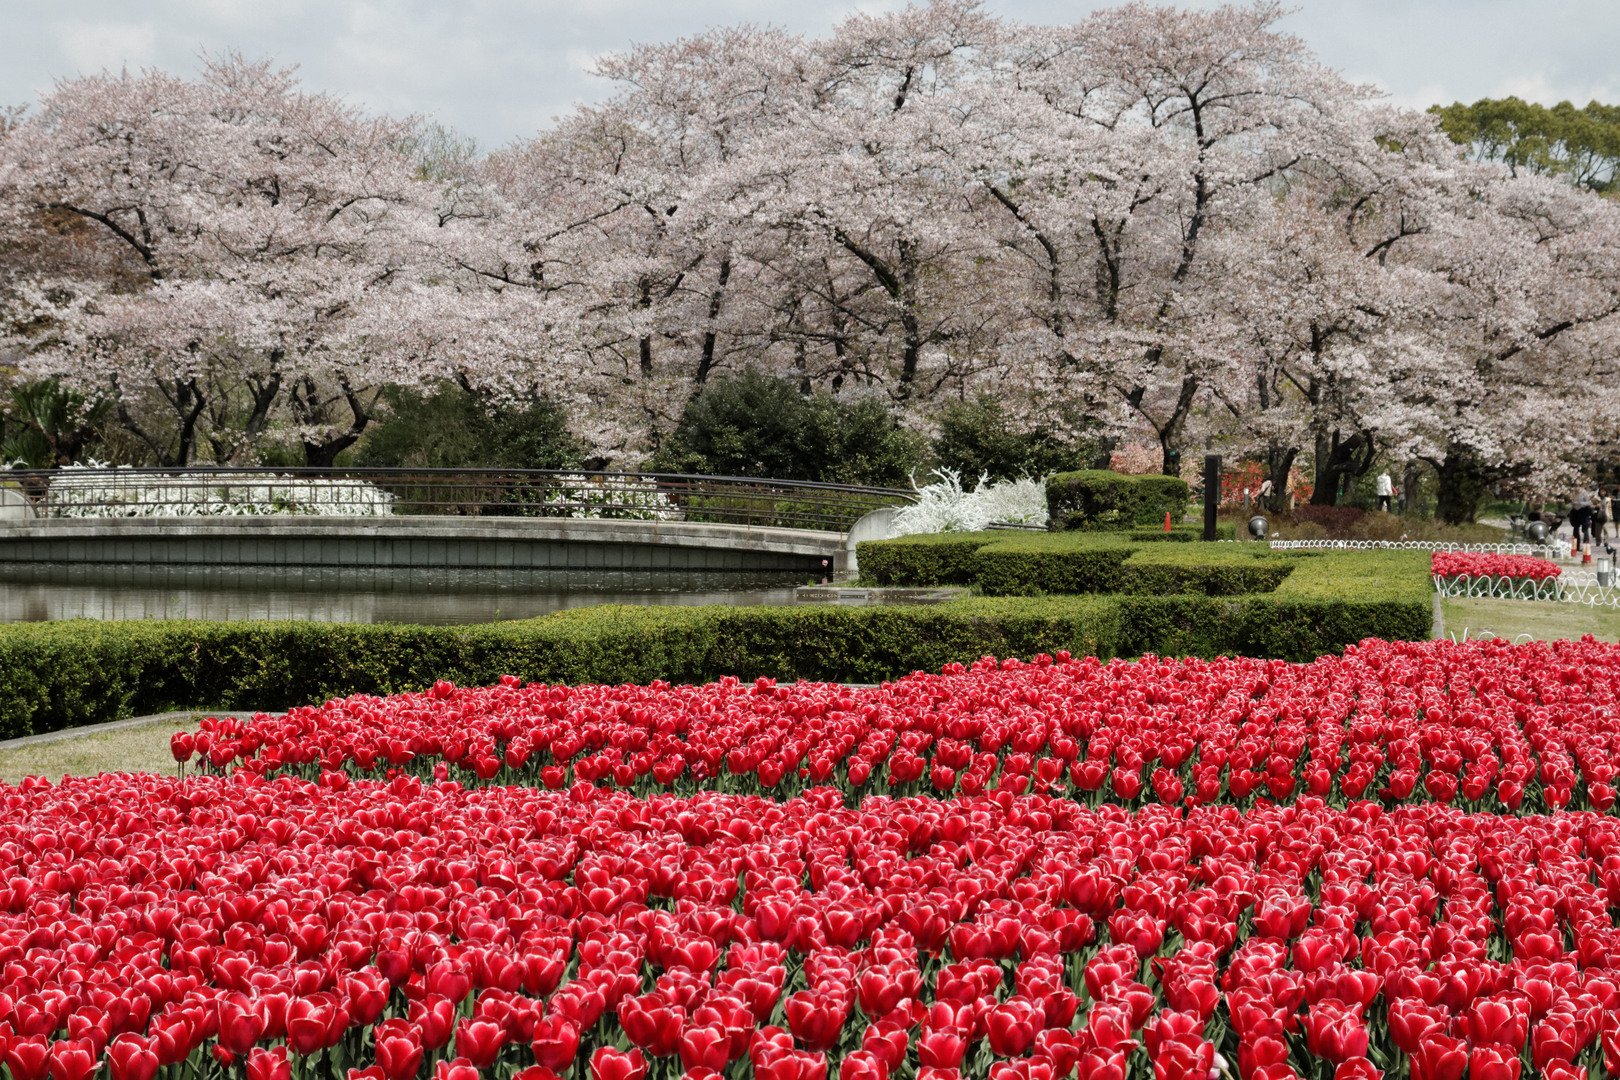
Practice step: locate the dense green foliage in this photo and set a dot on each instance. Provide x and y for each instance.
(42, 424)
(977, 438)
(64, 674)
(758, 425)
(1100, 500)
(454, 428)
(1582, 145)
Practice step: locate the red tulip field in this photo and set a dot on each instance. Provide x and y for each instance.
(1399, 862)
(1452, 564)
(1486, 726)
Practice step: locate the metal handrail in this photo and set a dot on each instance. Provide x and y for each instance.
(97, 492)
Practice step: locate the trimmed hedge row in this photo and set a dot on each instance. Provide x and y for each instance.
(1033, 564)
(1101, 500)
(65, 674)
(1330, 599)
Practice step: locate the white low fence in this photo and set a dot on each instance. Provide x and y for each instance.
(106, 494)
(1539, 551)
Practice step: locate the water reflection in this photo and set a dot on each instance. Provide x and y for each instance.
(359, 594)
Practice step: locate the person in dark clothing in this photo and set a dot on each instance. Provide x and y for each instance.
(1580, 515)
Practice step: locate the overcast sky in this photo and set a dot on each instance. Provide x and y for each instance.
(500, 69)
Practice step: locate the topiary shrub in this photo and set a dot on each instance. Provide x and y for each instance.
(755, 424)
(450, 426)
(978, 438)
(1097, 500)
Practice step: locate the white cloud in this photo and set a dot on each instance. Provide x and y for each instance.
(89, 45)
(584, 60)
(1539, 89)
(500, 69)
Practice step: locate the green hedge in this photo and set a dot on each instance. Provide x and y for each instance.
(1227, 570)
(926, 559)
(1033, 564)
(1329, 600)
(1100, 501)
(65, 674)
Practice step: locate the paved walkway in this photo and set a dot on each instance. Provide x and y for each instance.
(184, 716)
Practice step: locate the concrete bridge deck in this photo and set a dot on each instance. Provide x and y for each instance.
(418, 542)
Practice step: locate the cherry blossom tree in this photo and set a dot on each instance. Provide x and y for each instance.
(1522, 345)
(1153, 223)
(248, 221)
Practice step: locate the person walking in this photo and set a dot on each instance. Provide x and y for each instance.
(1600, 515)
(1386, 490)
(1580, 516)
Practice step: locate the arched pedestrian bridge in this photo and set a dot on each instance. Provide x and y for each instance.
(423, 519)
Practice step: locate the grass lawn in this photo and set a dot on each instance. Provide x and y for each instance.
(1541, 620)
(136, 749)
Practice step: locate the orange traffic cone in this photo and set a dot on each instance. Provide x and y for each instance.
(1167, 521)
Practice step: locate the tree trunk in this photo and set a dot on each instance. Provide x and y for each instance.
(1462, 486)
(1106, 445)
(1279, 463)
(322, 454)
(1337, 459)
(1409, 486)
(1170, 434)
(706, 360)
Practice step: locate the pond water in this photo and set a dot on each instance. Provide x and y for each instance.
(42, 592)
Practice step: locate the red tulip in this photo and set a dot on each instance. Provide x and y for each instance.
(815, 1019)
(1498, 1022)
(130, 1057)
(399, 1049)
(1102, 1065)
(705, 1047)
(610, 1064)
(1357, 1069)
(1335, 1032)
(1492, 1063)
(941, 1049)
(479, 1041)
(652, 1023)
(555, 1042)
(367, 995)
(269, 1064)
(241, 1022)
(1440, 1058)
(887, 1041)
(310, 1021)
(1184, 1057)
(434, 1017)
(73, 1059)
(792, 1065)
(1011, 1027)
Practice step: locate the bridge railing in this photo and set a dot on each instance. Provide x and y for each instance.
(355, 492)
